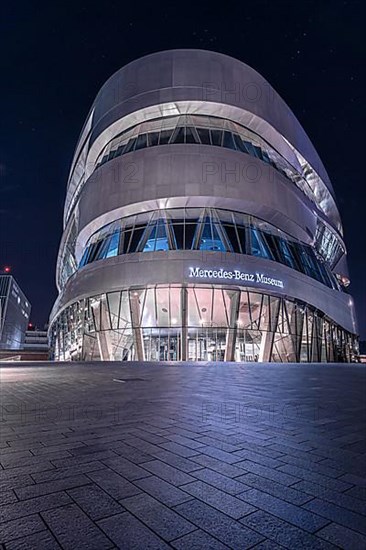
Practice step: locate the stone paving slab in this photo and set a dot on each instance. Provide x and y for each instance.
(182, 456)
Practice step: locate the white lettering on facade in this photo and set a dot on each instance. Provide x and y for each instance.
(236, 275)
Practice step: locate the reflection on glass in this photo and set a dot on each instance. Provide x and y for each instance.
(208, 229)
(216, 324)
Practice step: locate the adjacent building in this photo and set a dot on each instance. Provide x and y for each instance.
(14, 314)
(199, 224)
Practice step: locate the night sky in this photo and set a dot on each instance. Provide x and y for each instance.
(56, 55)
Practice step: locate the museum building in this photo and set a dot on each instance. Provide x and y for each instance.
(199, 224)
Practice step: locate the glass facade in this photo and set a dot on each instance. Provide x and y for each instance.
(68, 264)
(328, 245)
(205, 229)
(197, 323)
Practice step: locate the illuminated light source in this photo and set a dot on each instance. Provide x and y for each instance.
(7, 269)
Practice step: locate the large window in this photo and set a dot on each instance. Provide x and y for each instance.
(197, 323)
(68, 264)
(328, 244)
(205, 229)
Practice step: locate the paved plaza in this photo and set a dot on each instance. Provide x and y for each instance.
(107, 455)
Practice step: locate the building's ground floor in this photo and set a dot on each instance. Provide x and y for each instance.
(197, 323)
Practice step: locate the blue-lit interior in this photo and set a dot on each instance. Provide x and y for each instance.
(205, 229)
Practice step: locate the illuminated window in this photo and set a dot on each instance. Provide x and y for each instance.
(207, 229)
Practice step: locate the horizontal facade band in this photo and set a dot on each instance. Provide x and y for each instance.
(168, 267)
(184, 175)
(198, 75)
(89, 154)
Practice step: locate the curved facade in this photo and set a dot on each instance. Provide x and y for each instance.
(199, 224)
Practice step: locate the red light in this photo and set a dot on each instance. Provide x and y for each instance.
(30, 325)
(7, 269)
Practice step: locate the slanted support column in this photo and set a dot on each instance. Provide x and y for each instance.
(233, 326)
(331, 344)
(101, 316)
(135, 320)
(316, 340)
(296, 329)
(103, 339)
(266, 347)
(184, 310)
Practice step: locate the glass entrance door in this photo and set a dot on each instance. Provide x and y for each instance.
(206, 344)
(162, 344)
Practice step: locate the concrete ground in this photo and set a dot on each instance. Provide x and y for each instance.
(99, 456)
